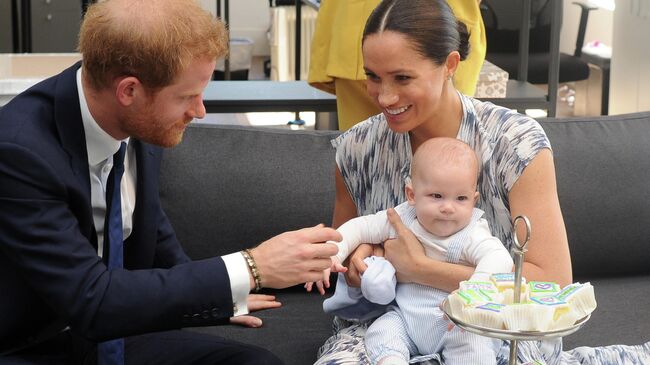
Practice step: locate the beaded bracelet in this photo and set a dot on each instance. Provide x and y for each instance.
(253, 267)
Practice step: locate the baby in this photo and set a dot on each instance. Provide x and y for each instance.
(440, 212)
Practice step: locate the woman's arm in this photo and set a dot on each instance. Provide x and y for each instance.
(535, 196)
(547, 259)
(344, 207)
(407, 255)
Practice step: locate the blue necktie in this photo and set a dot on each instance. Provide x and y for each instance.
(112, 352)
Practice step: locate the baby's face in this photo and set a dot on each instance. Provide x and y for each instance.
(444, 199)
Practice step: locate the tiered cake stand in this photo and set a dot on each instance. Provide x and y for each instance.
(512, 335)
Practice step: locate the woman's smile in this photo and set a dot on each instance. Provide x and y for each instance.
(396, 111)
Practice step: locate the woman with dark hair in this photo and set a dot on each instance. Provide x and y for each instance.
(336, 63)
(411, 49)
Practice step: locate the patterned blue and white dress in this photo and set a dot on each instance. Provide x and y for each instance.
(375, 163)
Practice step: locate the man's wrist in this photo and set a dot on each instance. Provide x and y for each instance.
(255, 278)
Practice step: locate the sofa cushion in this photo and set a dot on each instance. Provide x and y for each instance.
(226, 188)
(293, 332)
(622, 315)
(603, 177)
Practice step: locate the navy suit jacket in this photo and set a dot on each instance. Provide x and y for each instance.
(49, 268)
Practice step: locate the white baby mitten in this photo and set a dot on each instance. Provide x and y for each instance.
(378, 281)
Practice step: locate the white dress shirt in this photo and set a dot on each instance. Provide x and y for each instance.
(101, 147)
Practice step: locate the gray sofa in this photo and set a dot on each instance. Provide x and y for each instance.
(226, 188)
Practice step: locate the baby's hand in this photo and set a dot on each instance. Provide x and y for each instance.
(325, 283)
(320, 284)
(450, 325)
(336, 266)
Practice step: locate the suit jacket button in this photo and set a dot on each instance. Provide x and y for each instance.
(215, 312)
(205, 314)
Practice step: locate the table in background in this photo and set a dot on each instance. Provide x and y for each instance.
(298, 96)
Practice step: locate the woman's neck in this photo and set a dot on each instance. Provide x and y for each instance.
(444, 122)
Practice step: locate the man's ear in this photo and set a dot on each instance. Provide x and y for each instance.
(126, 90)
(410, 194)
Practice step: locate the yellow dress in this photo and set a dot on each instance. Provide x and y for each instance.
(336, 63)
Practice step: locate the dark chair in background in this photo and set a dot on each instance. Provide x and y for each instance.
(503, 23)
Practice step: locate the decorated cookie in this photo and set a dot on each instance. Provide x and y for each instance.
(461, 299)
(542, 288)
(486, 287)
(580, 297)
(485, 315)
(527, 317)
(563, 315)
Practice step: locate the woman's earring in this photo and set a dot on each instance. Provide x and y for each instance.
(450, 77)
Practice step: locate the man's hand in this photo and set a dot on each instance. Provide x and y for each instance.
(404, 251)
(295, 257)
(256, 302)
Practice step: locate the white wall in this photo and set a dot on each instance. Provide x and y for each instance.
(630, 75)
(248, 18)
(599, 27)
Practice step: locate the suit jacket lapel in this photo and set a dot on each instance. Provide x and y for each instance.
(67, 117)
(136, 254)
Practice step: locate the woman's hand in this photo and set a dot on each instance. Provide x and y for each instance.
(405, 252)
(255, 302)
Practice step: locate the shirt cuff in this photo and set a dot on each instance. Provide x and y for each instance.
(239, 282)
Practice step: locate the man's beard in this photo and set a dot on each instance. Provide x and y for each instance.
(147, 127)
